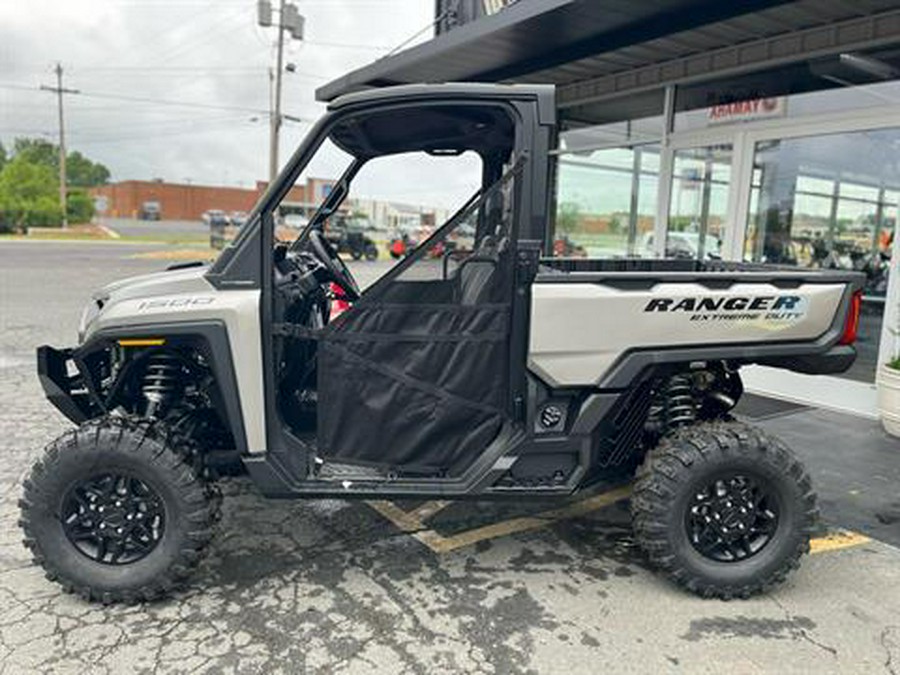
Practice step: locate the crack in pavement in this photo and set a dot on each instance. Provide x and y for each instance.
(883, 639)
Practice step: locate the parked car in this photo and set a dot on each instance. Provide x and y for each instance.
(295, 221)
(215, 217)
(150, 210)
(680, 245)
(237, 218)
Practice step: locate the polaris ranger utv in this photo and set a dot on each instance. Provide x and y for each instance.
(488, 371)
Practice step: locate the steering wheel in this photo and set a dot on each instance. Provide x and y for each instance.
(336, 267)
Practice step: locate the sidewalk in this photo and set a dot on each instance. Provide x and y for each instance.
(854, 464)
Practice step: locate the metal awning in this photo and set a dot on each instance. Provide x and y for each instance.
(536, 35)
(610, 60)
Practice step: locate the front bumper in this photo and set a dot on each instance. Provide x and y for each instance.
(69, 393)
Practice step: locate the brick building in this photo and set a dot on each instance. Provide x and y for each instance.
(179, 201)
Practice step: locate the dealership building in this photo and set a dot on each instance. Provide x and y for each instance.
(750, 131)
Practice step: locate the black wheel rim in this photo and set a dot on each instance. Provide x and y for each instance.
(113, 519)
(732, 517)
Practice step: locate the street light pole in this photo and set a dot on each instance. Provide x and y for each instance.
(275, 121)
(60, 90)
(290, 20)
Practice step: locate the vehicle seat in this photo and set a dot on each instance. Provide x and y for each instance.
(477, 273)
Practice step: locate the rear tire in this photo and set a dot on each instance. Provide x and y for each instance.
(144, 475)
(723, 509)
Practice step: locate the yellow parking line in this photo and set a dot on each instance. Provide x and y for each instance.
(429, 509)
(406, 522)
(834, 541)
(413, 523)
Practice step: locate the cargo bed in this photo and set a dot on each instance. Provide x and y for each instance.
(597, 323)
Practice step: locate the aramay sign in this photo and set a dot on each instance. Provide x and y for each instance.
(747, 111)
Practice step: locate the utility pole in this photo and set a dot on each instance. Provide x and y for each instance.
(60, 90)
(275, 124)
(289, 19)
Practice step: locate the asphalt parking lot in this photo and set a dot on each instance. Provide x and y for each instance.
(333, 586)
(153, 228)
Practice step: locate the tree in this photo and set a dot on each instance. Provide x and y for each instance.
(37, 151)
(79, 206)
(28, 195)
(615, 224)
(568, 217)
(29, 185)
(80, 171)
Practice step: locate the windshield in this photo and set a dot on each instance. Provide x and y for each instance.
(334, 197)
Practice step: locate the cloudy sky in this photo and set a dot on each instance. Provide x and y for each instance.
(178, 89)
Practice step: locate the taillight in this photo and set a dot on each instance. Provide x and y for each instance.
(851, 324)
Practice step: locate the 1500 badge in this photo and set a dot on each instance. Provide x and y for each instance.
(176, 303)
(733, 308)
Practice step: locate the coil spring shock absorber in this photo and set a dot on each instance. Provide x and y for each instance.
(680, 406)
(161, 382)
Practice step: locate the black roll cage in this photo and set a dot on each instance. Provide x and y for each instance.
(248, 262)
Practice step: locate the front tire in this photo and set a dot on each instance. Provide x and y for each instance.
(723, 509)
(114, 512)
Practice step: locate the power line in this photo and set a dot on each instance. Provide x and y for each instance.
(160, 38)
(187, 3)
(440, 17)
(208, 126)
(157, 128)
(167, 69)
(344, 45)
(143, 99)
(154, 135)
(211, 34)
(161, 125)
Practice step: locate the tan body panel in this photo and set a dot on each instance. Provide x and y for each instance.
(579, 330)
(186, 296)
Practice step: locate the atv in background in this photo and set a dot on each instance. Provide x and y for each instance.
(347, 234)
(564, 247)
(401, 244)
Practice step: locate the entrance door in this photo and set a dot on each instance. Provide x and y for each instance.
(698, 205)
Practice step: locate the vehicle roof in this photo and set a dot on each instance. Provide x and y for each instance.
(544, 93)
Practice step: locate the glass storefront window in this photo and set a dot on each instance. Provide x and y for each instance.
(605, 201)
(624, 133)
(701, 178)
(831, 202)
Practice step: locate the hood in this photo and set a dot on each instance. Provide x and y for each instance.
(167, 282)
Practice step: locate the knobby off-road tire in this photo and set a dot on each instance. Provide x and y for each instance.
(669, 499)
(156, 469)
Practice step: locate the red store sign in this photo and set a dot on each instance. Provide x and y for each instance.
(747, 111)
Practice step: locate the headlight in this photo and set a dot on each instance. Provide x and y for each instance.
(90, 312)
